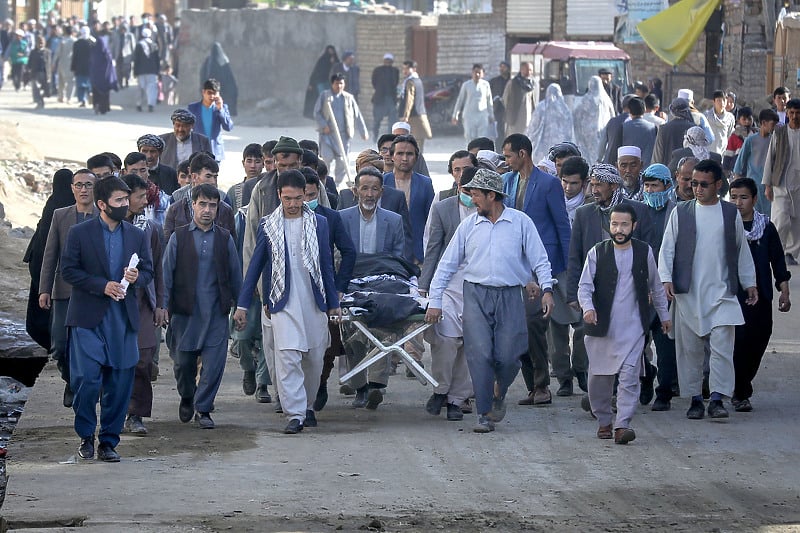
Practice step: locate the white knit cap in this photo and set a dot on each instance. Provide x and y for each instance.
(401, 126)
(635, 151)
(686, 93)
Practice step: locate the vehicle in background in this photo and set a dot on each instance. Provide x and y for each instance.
(441, 93)
(571, 64)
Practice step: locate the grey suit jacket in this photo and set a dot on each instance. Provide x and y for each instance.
(50, 280)
(169, 156)
(389, 230)
(445, 217)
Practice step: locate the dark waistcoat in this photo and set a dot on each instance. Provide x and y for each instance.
(605, 285)
(184, 288)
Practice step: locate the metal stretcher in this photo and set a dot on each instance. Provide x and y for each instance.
(350, 327)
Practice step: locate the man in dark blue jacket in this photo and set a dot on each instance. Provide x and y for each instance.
(103, 316)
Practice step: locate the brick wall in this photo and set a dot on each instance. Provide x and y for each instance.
(467, 39)
(375, 35)
(745, 51)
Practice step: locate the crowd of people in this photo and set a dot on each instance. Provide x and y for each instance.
(61, 57)
(607, 253)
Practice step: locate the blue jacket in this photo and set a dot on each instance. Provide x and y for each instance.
(388, 232)
(220, 120)
(419, 206)
(261, 267)
(544, 204)
(84, 265)
(341, 239)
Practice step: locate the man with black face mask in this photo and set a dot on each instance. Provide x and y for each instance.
(103, 315)
(619, 278)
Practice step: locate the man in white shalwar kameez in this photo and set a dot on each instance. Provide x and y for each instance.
(704, 258)
(293, 258)
(619, 279)
(474, 106)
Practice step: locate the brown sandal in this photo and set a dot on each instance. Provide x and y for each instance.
(604, 432)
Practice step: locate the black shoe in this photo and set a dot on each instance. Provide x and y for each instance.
(311, 419)
(135, 426)
(454, 412)
(374, 399)
(743, 406)
(790, 260)
(565, 389)
(249, 383)
(706, 389)
(86, 449)
(139, 108)
(262, 394)
(294, 427)
(361, 397)
(107, 453)
(435, 404)
(278, 406)
(646, 392)
(347, 390)
(68, 396)
(716, 409)
(583, 383)
(204, 420)
(696, 411)
(186, 409)
(322, 397)
(661, 405)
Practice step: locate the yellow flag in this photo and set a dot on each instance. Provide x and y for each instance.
(672, 33)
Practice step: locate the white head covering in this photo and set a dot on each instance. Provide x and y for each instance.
(85, 32)
(595, 109)
(389, 56)
(551, 123)
(401, 126)
(548, 166)
(492, 158)
(146, 33)
(688, 94)
(635, 151)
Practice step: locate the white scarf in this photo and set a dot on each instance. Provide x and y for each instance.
(573, 204)
(759, 224)
(273, 229)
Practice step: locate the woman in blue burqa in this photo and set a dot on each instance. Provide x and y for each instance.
(102, 75)
(218, 66)
(551, 123)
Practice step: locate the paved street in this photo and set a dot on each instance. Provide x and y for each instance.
(396, 468)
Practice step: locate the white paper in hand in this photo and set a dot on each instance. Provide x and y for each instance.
(132, 264)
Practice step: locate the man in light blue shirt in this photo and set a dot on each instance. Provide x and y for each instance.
(503, 253)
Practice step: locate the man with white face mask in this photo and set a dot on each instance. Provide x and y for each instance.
(449, 366)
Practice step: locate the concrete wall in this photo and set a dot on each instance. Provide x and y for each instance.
(272, 53)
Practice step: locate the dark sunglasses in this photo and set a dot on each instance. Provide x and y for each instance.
(701, 184)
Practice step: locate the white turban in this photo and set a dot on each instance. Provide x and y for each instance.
(635, 151)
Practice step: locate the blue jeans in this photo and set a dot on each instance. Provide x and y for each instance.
(82, 88)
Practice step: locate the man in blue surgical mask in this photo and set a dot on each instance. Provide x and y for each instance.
(449, 366)
(658, 192)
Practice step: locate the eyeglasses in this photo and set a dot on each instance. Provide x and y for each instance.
(88, 185)
(701, 184)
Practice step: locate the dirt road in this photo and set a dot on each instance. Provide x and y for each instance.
(399, 469)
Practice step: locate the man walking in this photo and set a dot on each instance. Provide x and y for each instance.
(704, 258)
(54, 292)
(338, 119)
(103, 317)
(146, 67)
(212, 117)
(519, 100)
(618, 281)
(503, 254)
(474, 106)
(292, 256)
(384, 100)
(782, 180)
(202, 278)
(412, 104)
(183, 141)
